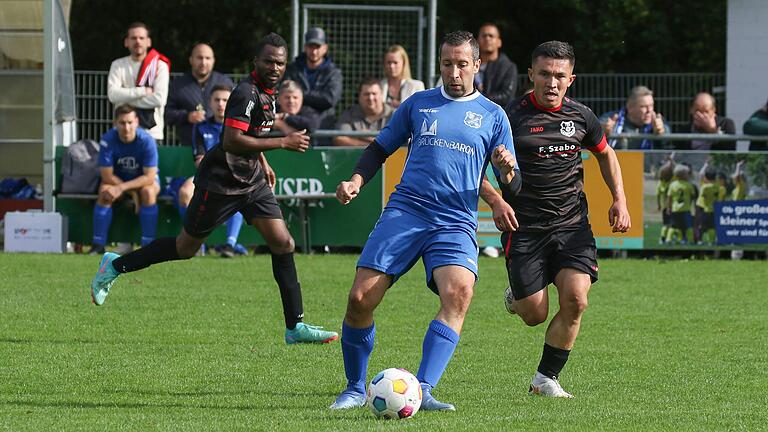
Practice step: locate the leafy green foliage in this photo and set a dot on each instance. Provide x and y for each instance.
(608, 35)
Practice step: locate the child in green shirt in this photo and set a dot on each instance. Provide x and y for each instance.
(680, 196)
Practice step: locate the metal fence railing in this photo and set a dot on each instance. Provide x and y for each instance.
(358, 36)
(601, 92)
(672, 92)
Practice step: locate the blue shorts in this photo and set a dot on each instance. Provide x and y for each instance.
(399, 239)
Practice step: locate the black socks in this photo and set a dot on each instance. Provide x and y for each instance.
(552, 361)
(160, 250)
(284, 271)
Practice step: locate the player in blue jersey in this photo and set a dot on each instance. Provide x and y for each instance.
(454, 131)
(128, 165)
(205, 136)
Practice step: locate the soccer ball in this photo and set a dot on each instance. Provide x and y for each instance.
(394, 394)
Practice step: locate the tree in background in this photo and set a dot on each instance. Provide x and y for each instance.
(231, 27)
(609, 35)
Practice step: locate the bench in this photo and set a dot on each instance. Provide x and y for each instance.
(305, 182)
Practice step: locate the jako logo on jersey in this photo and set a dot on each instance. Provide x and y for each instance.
(473, 120)
(537, 129)
(248, 109)
(428, 110)
(431, 131)
(567, 128)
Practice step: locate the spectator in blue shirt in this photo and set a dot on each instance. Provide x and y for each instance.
(128, 165)
(205, 136)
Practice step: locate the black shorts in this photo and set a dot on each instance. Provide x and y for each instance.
(707, 221)
(666, 217)
(535, 258)
(680, 220)
(207, 210)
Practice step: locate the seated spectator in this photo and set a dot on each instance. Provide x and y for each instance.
(128, 165)
(637, 117)
(369, 114)
(320, 79)
(205, 136)
(758, 125)
(497, 79)
(189, 94)
(292, 114)
(704, 119)
(398, 85)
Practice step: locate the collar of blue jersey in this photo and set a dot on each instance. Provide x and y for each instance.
(472, 96)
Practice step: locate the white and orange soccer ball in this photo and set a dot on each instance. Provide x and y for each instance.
(394, 394)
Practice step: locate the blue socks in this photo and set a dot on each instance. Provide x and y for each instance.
(437, 350)
(233, 228)
(148, 220)
(356, 345)
(102, 219)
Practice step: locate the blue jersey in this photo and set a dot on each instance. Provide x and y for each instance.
(452, 140)
(205, 136)
(127, 160)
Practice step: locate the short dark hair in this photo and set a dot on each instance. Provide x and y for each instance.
(459, 38)
(710, 174)
(272, 39)
(488, 24)
(137, 24)
(368, 81)
(123, 110)
(555, 50)
(221, 87)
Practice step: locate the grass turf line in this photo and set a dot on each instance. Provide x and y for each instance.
(198, 345)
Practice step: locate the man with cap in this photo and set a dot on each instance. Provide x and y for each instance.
(320, 79)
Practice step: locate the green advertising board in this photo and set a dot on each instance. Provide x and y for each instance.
(316, 171)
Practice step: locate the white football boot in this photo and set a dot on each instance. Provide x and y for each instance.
(543, 385)
(508, 299)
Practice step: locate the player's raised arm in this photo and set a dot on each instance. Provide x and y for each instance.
(618, 215)
(236, 141)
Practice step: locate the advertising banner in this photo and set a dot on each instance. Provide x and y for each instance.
(739, 222)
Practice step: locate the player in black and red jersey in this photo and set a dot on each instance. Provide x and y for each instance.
(554, 241)
(234, 176)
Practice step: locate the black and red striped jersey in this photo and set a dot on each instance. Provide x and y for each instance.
(250, 108)
(548, 143)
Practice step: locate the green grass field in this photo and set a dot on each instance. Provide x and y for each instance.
(198, 345)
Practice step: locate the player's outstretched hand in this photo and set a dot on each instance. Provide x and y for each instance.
(347, 191)
(503, 160)
(297, 141)
(618, 217)
(269, 173)
(504, 217)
